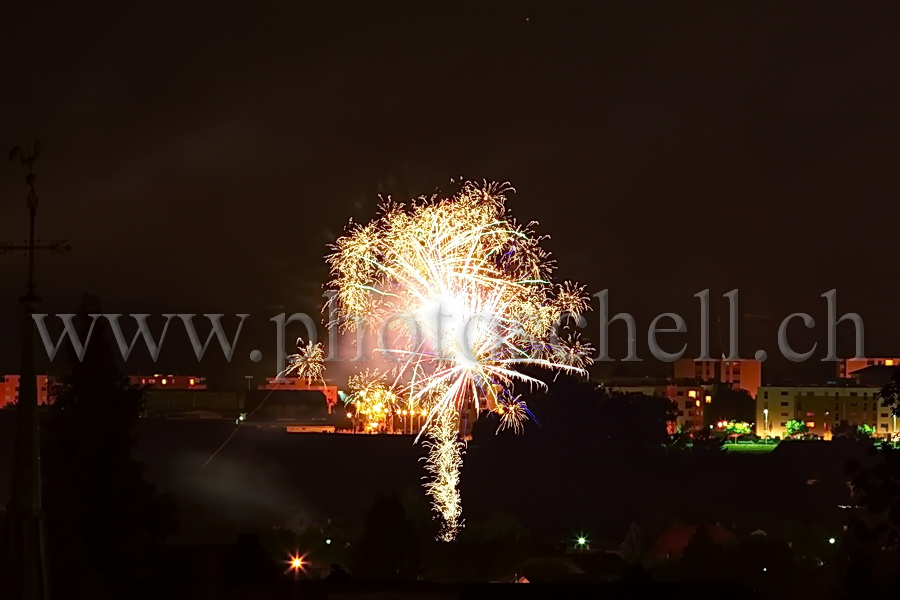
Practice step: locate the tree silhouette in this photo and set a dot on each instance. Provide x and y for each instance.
(104, 520)
(705, 440)
(876, 490)
(632, 548)
(578, 413)
(851, 431)
(388, 549)
(729, 404)
(700, 554)
(890, 394)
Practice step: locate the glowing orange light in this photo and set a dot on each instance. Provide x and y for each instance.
(810, 423)
(889, 362)
(295, 562)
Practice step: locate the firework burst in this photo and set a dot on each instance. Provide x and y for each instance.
(308, 363)
(463, 293)
(374, 403)
(513, 413)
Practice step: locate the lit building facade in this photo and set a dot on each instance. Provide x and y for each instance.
(690, 401)
(9, 389)
(169, 382)
(741, 374)
(300, 383)
(821, 408)
(846, 366)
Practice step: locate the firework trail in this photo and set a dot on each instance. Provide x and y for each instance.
(463, 294)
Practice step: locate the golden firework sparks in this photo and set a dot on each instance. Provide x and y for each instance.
(464, 293)
(308, 363)
(513, 413)
(374, 403)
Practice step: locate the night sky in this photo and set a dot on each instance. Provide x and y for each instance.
(200, 156)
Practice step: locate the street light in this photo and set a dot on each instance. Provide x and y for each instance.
(296, 563)
(766, 415)
(831, 541)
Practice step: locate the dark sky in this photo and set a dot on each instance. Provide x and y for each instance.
(200, 156)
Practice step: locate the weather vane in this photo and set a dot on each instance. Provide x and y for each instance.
(29, 160)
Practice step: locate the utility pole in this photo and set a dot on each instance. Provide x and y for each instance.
(23, 562)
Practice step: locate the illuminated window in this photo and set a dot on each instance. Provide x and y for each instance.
(810, 424)
(708, 399)
(696, 403)
(889, 362)
(164, 381)
(692, 394)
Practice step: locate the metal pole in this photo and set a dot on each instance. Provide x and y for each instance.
(24, 564)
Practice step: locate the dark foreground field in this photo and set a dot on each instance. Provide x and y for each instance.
(265, 477)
